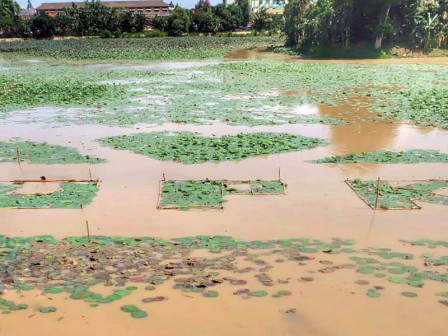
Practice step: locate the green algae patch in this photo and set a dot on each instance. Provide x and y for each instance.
(388, 157)
(401, 197)
(43, 153)
(70, 195)
(191, 148)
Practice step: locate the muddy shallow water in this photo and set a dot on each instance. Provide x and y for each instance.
(318, 205)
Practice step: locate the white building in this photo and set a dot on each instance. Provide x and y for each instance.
(257, 4)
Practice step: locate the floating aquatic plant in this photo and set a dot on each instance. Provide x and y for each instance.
(191, 148)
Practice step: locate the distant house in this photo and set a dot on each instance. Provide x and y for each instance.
(148, 8)
(276, 5)
(28, 13)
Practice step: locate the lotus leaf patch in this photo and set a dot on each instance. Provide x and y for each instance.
(191, 148)
(70, 195)
(400, 197)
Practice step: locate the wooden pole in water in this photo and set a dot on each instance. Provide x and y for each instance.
(90, 174)
(163, 174)
(279, 173)
(88, 230)
(18, 156)
(377, 192)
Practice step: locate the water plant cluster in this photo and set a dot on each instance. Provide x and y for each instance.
(73, 266)
(70, 195)
(154, 49)
(192, 148)
(236, 93)
(210, 193)
(42, 153)
(401, 197)
(383, 157)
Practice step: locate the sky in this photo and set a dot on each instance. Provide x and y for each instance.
(183, 3)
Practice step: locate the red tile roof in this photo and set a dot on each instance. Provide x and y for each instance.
(109, 4)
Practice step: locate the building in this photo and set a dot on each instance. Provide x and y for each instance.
(148, 8)
(27, 13)
(277, 5)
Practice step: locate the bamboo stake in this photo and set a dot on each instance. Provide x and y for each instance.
(90, 174)
(159, 199)
(279, 174)
(19, 160)
(88, 230)
(377, 192)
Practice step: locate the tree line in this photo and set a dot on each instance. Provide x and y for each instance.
(342, 23)
(93, 18)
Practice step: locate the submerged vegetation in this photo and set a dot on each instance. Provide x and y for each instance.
(401, 197)
(191, 148)
(69, 195)
(42, 153)
(403, 157)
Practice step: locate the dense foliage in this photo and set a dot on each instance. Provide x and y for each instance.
(94, 18)
(312, 24)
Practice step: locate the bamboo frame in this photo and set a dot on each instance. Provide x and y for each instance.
(415, 205)
(222, 190)
(98, 184)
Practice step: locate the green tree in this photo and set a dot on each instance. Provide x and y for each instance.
(295, 21)
(43, 25)
(9, 12)
(265, 21)
(245, 9)
(179, 21)
(140, 22)
(230, 17)
(160, 23)
(203, 18)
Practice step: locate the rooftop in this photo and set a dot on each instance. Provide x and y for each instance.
(109, 4)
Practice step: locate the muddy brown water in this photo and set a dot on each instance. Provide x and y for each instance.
(318, 204)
